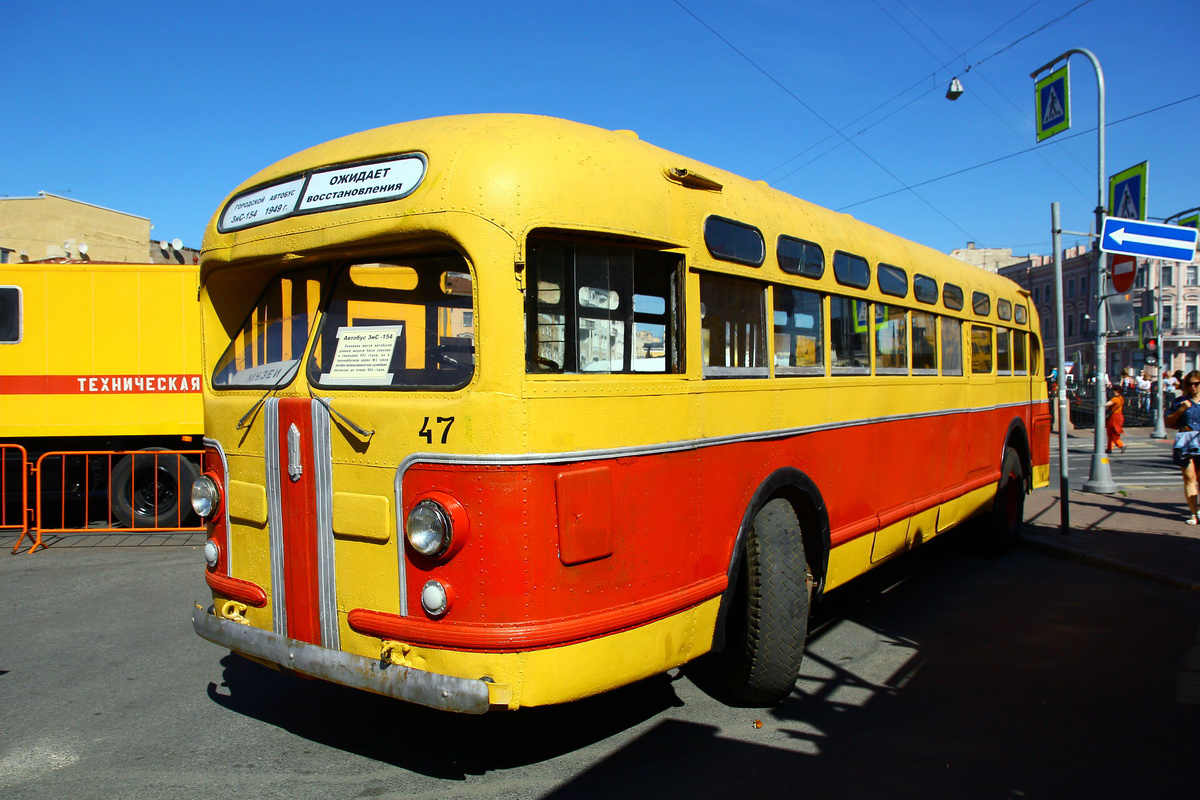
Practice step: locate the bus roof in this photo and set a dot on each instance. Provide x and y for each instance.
(521, 173)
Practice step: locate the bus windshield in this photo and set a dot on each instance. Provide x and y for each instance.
(401, 324)
(270, 344)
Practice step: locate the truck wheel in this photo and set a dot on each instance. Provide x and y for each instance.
(1003, 528)
(767, 622)
(146, 491)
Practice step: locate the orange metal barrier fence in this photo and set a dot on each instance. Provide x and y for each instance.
(98, 491)
(14, 490)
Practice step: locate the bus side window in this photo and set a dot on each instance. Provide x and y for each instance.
(602, 309)
(1020, 365)
(798, 332)
(1003, 359)
(981, 350)
(849, 321)
(732, 317)
(891, 340)
(924, 343)
(952, 356)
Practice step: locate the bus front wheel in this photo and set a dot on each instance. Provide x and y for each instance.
(768, 620)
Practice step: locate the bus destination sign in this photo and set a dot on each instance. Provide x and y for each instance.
(321, 190)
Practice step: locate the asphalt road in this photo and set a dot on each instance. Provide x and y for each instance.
(948, 675)
(1145, 464)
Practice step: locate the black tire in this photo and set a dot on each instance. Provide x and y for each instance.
(767, 622)
(148, 495)
(1003, 528)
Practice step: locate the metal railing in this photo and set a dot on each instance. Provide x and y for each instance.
(99, 491)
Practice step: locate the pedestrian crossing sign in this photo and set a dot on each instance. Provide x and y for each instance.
(1127, 192)
(1053, 100)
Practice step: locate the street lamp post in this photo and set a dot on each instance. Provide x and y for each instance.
(1100, 478)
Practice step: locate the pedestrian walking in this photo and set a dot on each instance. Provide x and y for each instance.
(1114, 420)
(1185, 416)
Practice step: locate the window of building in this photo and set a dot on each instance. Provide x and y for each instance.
(1191, 318)
(730, 240)
(602, 308)
(925, 289)
(1167, 275)
(849, 320)
(1037, 294)
(10, 314)
(1083, 286)
(924, 342)
(892, 280)
(1083, 324)
(981, 349)
(799, 257)
(981, 303)
(952, 350)
(798, 332)
(891, 340)
(732, 317)
(952, 297)
(1191, 275)
(851, 270)
(1139, 281)
(1166, 316)
(1070, 325)
(1070, 287)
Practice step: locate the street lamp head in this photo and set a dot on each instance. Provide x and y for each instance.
(955, 90)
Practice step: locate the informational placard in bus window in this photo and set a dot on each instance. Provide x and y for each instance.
(358, 184)
(363, 356)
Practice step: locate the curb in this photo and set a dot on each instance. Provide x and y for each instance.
(1040, 544)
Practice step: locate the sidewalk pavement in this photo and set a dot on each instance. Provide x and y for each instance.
(1142, 532)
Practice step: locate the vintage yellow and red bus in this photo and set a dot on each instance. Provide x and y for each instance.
(509, 410)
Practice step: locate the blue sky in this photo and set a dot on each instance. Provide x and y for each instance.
(161, 109)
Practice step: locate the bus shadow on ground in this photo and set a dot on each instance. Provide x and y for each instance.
(434, 743)
(1018, 676)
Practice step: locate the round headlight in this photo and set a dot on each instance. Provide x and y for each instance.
(206, 496)
(212, 553)
(429, 529)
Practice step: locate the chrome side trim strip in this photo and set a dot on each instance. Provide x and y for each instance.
(374, 675)
(322, 471)
(274, 512)
(215, 445)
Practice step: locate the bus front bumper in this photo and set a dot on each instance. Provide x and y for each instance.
(404, 683)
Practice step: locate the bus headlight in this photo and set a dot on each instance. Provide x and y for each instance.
(429, 528)
(206, 496)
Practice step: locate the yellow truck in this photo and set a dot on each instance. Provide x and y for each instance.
(99, 394)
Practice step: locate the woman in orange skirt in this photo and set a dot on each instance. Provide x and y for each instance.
(1115, 424)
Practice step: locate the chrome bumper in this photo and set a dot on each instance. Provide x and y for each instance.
(404, 683)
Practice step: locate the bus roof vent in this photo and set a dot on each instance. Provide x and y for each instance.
(630, 134)
(692, 180)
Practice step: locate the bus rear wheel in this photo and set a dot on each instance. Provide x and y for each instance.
(767, 623)
(1008, 510)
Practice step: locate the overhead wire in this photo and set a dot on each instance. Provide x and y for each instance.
(817, 114)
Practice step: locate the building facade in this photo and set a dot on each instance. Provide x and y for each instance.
(1177, 285)
(50, 227)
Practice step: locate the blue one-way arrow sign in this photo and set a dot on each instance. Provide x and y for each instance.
(1133, 237)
